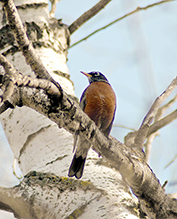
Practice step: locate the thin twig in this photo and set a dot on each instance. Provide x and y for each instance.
(53, 7)
(158, 124)
(163, 122)
(171, 162)
(153, 110)
(8, 79)
(119, 19)
(163, 109)
(125, 127)
(165, 183)
(148, 119)
(87, 15)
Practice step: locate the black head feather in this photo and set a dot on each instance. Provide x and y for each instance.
(95, 76)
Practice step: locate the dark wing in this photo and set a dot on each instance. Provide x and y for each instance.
(82, 105)
(83, 100)
(107, 131)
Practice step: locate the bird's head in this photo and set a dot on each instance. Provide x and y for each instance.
(95, 76)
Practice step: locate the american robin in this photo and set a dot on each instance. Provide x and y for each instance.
(98, 101)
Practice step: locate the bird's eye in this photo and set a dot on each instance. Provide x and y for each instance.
(97, 73)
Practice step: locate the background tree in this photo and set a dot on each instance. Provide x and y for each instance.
(48, 194)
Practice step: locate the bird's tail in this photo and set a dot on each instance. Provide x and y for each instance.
(77, 167)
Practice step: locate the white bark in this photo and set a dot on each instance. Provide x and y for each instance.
(40, 145)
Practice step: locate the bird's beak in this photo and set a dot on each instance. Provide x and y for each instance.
(86, 74)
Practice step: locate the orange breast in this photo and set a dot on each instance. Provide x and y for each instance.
(100, 104)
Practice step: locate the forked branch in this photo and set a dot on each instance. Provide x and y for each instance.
(119, 19)
(88, 15)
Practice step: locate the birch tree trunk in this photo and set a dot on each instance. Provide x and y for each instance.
(43, 150)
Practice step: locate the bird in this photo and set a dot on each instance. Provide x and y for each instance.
(98, 101)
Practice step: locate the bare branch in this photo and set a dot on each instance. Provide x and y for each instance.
(119, 19)
(151, 135)
(142, 135)
(175, 157)
(165, 183)
(128, 162)
(43, 84)
(88, 15)
(163, 122)
(134, 170)
(148, 146)
(23, 42)
(154, 108)
(123, 126)
(136, 139)
(144, 128)
(53, 8)
(8, 88)
(12, 77)
(8, 79)
(41, 195)
(163, 109)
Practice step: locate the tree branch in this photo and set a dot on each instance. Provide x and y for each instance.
(163, 108)
(154, 108)
(152, 134)
(53, 7)
(163, 122)
(132, 167)
(148, 146)
(87, 15)
(138, 175)
(124, 127)
(175, 157)
(13, 77)
(144, 128)
(119, 19)
(8, 79)
(23, 42)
